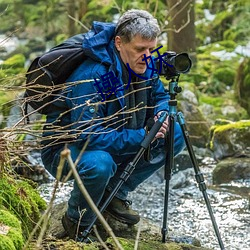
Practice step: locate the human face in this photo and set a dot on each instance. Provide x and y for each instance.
(133, 52)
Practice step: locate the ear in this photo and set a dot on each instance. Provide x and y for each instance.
(118, 43)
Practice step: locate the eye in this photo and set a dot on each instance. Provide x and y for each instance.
(140, 49)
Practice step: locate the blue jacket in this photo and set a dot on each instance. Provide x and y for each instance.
(88, 118)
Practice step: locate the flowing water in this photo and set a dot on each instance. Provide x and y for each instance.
(187, 212)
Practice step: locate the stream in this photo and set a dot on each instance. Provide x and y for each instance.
(187, 212)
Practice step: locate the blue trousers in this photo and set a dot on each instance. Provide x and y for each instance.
(100, 170)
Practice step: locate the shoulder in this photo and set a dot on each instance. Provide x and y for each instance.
(89, 69)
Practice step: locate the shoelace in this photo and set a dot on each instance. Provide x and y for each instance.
(127, 203)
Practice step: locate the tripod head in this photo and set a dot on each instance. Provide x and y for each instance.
(174, 89)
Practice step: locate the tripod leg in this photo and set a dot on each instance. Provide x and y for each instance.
(129, 169)
(199, 176)
(168, 173)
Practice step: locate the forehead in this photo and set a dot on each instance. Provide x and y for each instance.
(140, 41)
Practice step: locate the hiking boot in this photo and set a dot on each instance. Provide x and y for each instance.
(75, 231)
(121, 211)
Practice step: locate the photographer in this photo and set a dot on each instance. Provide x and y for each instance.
(108, 114)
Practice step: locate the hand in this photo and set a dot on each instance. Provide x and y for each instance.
(164, 128)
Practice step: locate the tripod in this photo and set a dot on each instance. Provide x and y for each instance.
(173, 90)
(169, 163)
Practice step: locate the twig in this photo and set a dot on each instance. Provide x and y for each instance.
(99, 238)
(66, 154)
(137, 236)
(45, 217)
(77, 21)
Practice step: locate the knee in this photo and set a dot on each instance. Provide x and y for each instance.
(98, 165)
(179, 143)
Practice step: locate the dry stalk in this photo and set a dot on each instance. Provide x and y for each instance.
(46, 216)
(99, 238)
(137, 236)
(67, 155)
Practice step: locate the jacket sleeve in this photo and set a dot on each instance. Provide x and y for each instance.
(88, 123)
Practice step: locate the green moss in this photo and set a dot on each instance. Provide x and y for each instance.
(13, 239)
(242, 84)
(239, 128)
(224, 75)
(16, 237)
(212, 100)
(235, 125)
(22, 200)
(9, 219)
(13, 71)
(128, 244)
(219, 102)
(228, 45)
(16, 61)
(6, 243)
(220, 24)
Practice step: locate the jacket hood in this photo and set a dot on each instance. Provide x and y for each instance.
(98, 43)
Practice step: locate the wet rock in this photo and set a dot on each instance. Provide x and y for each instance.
(232, 139)
(181, 179)
(197, 125)
(231, 169)
(150, 234)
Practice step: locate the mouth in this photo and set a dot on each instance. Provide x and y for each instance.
(142, 64)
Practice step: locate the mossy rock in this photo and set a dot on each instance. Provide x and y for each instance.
(224, 75)
(22, 200)
(16, 61)
(11, 237)
(197, 125)
(128, 244)
(228, 45)
(220, 24)
(232, 139)
(231, 169)
(242, 85)
(221, 106)
(13, 70)
(150, 235)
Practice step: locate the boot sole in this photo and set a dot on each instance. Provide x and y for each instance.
(121, 219)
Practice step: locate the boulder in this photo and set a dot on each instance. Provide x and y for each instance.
(150, 235)
(231, 169)
(197, 125)
(242, 84)
(230, 140)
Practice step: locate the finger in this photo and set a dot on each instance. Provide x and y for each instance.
(159, 135)
(163, 130)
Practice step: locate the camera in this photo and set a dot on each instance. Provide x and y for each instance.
(172, 65)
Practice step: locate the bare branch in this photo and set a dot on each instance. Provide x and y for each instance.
(66, 154)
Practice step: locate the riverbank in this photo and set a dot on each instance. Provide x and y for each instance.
(188, 216)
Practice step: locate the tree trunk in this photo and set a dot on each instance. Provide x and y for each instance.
(83, 7)
(71, 6)
(181, 27)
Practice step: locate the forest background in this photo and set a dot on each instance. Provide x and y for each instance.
(214, 33)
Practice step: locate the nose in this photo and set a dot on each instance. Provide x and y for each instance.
(147, 53)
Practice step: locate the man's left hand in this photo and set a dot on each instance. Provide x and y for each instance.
(164, 128)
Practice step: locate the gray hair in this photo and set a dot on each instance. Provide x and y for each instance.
(137, 22)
